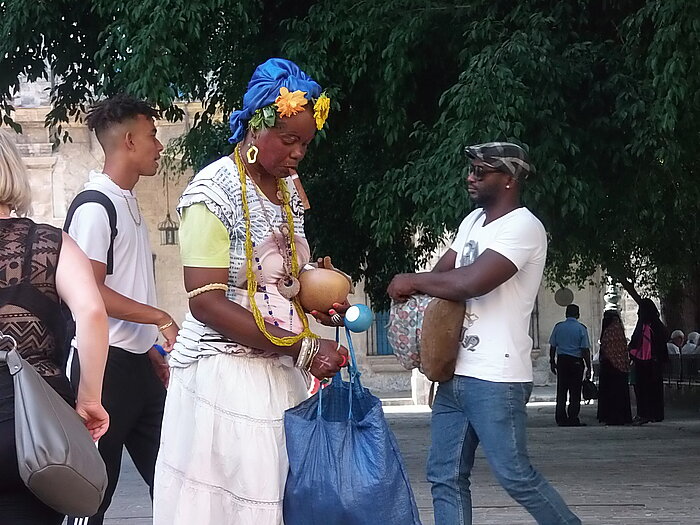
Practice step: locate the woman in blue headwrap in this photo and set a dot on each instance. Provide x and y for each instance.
(245, 353)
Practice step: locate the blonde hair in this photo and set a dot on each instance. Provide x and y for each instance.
(14, 179)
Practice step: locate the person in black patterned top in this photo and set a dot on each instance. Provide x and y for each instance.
(40, 266)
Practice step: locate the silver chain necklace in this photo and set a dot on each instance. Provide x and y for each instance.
(128, 206)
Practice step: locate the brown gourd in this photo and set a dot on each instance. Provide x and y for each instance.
(320, 288)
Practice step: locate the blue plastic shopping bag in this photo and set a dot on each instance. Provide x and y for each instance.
(344, 464)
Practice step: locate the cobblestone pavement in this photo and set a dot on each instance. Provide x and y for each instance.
(609, 475)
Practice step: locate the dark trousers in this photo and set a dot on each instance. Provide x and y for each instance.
(613, 395)
(649, 389)
(134, 397)
(569, 380)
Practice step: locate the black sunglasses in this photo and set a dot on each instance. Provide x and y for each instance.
(480, 171)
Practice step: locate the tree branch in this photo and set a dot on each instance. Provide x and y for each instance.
(630, 289)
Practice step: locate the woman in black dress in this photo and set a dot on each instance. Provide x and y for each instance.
(649, 353)
(613, 386)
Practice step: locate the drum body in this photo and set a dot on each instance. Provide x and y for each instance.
(424, 333)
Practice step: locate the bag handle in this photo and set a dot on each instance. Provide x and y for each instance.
(353, 373)
(11, 357)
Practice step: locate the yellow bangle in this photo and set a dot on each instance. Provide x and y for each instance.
(207, 288)
(166, 325)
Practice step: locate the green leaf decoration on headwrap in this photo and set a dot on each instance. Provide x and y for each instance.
(263, 118)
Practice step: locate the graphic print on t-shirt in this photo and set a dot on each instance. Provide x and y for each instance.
(469, 342)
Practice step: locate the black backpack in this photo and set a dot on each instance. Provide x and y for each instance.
(82, 198)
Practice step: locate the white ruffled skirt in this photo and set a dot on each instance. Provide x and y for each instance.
(223, 456)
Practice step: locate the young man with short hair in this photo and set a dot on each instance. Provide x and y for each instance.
(136, 374)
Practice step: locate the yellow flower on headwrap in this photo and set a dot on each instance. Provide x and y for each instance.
(321, 110)
(290, 103)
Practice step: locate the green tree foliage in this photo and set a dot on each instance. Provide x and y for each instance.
(605, 95)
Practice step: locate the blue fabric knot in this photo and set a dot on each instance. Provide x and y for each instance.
(264, 88)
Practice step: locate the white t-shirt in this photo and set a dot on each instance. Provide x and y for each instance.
(496, 345)
(133, 260)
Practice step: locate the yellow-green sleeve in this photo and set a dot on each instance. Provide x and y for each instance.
(204, 240)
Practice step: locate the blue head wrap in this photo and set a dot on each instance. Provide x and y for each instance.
(264, 88)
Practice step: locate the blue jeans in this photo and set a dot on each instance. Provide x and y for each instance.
(469, 411)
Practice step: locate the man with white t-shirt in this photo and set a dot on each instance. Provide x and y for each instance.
(136, 374)
(495, 265)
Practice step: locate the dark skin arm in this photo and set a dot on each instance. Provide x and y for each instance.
(446, 262)
(586, 354)
(235, 322)
(553, 359)
(121, 307)
(489, 270)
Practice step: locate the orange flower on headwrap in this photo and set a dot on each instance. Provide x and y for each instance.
(290, 103)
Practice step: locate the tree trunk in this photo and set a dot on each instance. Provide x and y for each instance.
(673, 309)
(681, 305)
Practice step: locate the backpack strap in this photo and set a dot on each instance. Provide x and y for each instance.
(100, 198)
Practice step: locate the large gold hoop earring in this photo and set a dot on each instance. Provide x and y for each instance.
(252, 154)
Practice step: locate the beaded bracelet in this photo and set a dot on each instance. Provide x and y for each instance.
(207, 288)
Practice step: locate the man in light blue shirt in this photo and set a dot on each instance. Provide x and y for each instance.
(569, 350)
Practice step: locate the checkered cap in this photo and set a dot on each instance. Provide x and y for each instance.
(504, 156)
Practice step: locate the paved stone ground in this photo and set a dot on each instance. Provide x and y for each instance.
(609, 475)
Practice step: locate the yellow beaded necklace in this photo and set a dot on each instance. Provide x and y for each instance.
(250, 274)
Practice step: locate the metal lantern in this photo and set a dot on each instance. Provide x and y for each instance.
(168, 228)
(168, 231)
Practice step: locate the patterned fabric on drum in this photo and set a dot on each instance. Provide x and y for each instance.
(405, 327)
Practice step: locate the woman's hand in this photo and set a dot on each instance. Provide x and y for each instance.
(330, 358)
(334, 316)
(94, 416)
(325, 262)
(330, 319)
